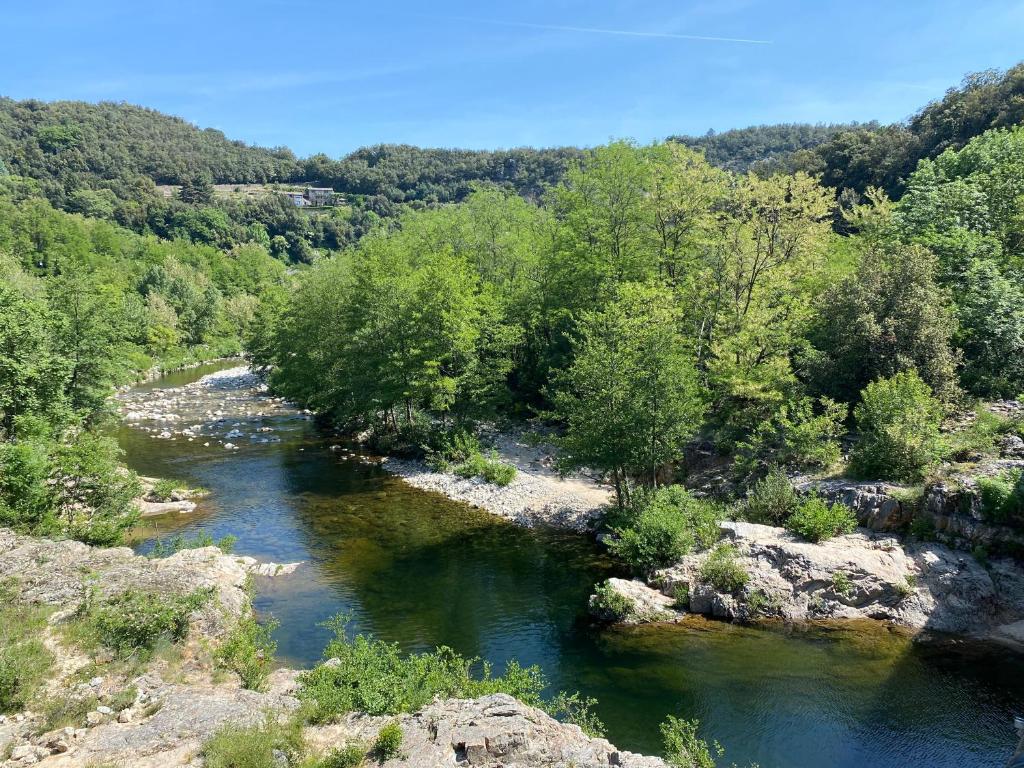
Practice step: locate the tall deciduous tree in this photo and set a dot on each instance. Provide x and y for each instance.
(630, 399)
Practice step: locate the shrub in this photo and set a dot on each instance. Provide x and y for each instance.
(135, 621)
(490, 468)
(794, 437)
(721, 570)
(899, 421)
(577, 710)
(163, 489)
(374, 677)
(664, 525)
(610, 604)
(349, 756)
(841, 584)
(681, 596)
(816, 520)
(388, 743)
(760, 603)
(1002, 496)
(235, 746)
(249, 651)
(922, 528)
(447, 447)
(772, 499)
(683, 747)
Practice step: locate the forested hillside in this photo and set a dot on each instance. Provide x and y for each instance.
(759, 146)
(866, 155)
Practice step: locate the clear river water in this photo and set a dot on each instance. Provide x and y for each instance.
(418, 569)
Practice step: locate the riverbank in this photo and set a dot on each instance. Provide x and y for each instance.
(97, 708)
(538, 495)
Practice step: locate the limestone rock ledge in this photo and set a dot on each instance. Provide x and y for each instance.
(859, 576)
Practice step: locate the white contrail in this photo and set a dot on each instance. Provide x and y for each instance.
(625, 32)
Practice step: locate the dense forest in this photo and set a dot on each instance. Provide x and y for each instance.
(635, 298)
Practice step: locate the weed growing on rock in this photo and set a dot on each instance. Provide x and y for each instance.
(168, 547)
(349, 756)
(841, 584)
(388, 743)
(683, 747)
(721, 570)
(257, 746)
(1002, 496)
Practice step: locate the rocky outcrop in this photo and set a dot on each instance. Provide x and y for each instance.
(878, 505)
(494, 731)
(860, 576)
(625, 601)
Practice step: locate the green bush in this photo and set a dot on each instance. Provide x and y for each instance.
(388, 744)
(349, 756)
(490, 468)
(795, 437)
(899, 421)
(610, 604)
(841, 584)
(448, 447)
(249, 651)
(683, 747)
(662, 526)
(236, 746)
(816, 520)
(721, 570)
(981, 436)
(375, 677)
(134, 621)
(760, 603)
(576, 710)
(771, 500)
(163, 489)
(1002, 496)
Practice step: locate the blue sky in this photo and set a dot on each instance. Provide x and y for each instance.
(333, 76)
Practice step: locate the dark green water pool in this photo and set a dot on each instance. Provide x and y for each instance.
(418, 569)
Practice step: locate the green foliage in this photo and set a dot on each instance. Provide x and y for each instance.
(979, 437)
(388, 744)
(375, 677)
(1002, 496)
(660, 527)
(761, 604)
(771, 500)
(841, 584)
(630, 399)
(887, 317)
(610, 604)
(490, 468)
(349, 756)
(899, 421)
(683, 747)
(681, 596)
(133, 622)
(794, 437)
(249, 651)
(256, 746)
(25, 663)
(721, 570)
(168, 547)
(816, 520)
(576, 710)
(163, 489)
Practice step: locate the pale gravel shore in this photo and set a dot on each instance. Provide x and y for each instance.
(538, 496)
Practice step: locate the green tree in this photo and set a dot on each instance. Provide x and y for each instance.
(630, 400)
(898, 419)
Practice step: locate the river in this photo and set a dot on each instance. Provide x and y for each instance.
(418, 569)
